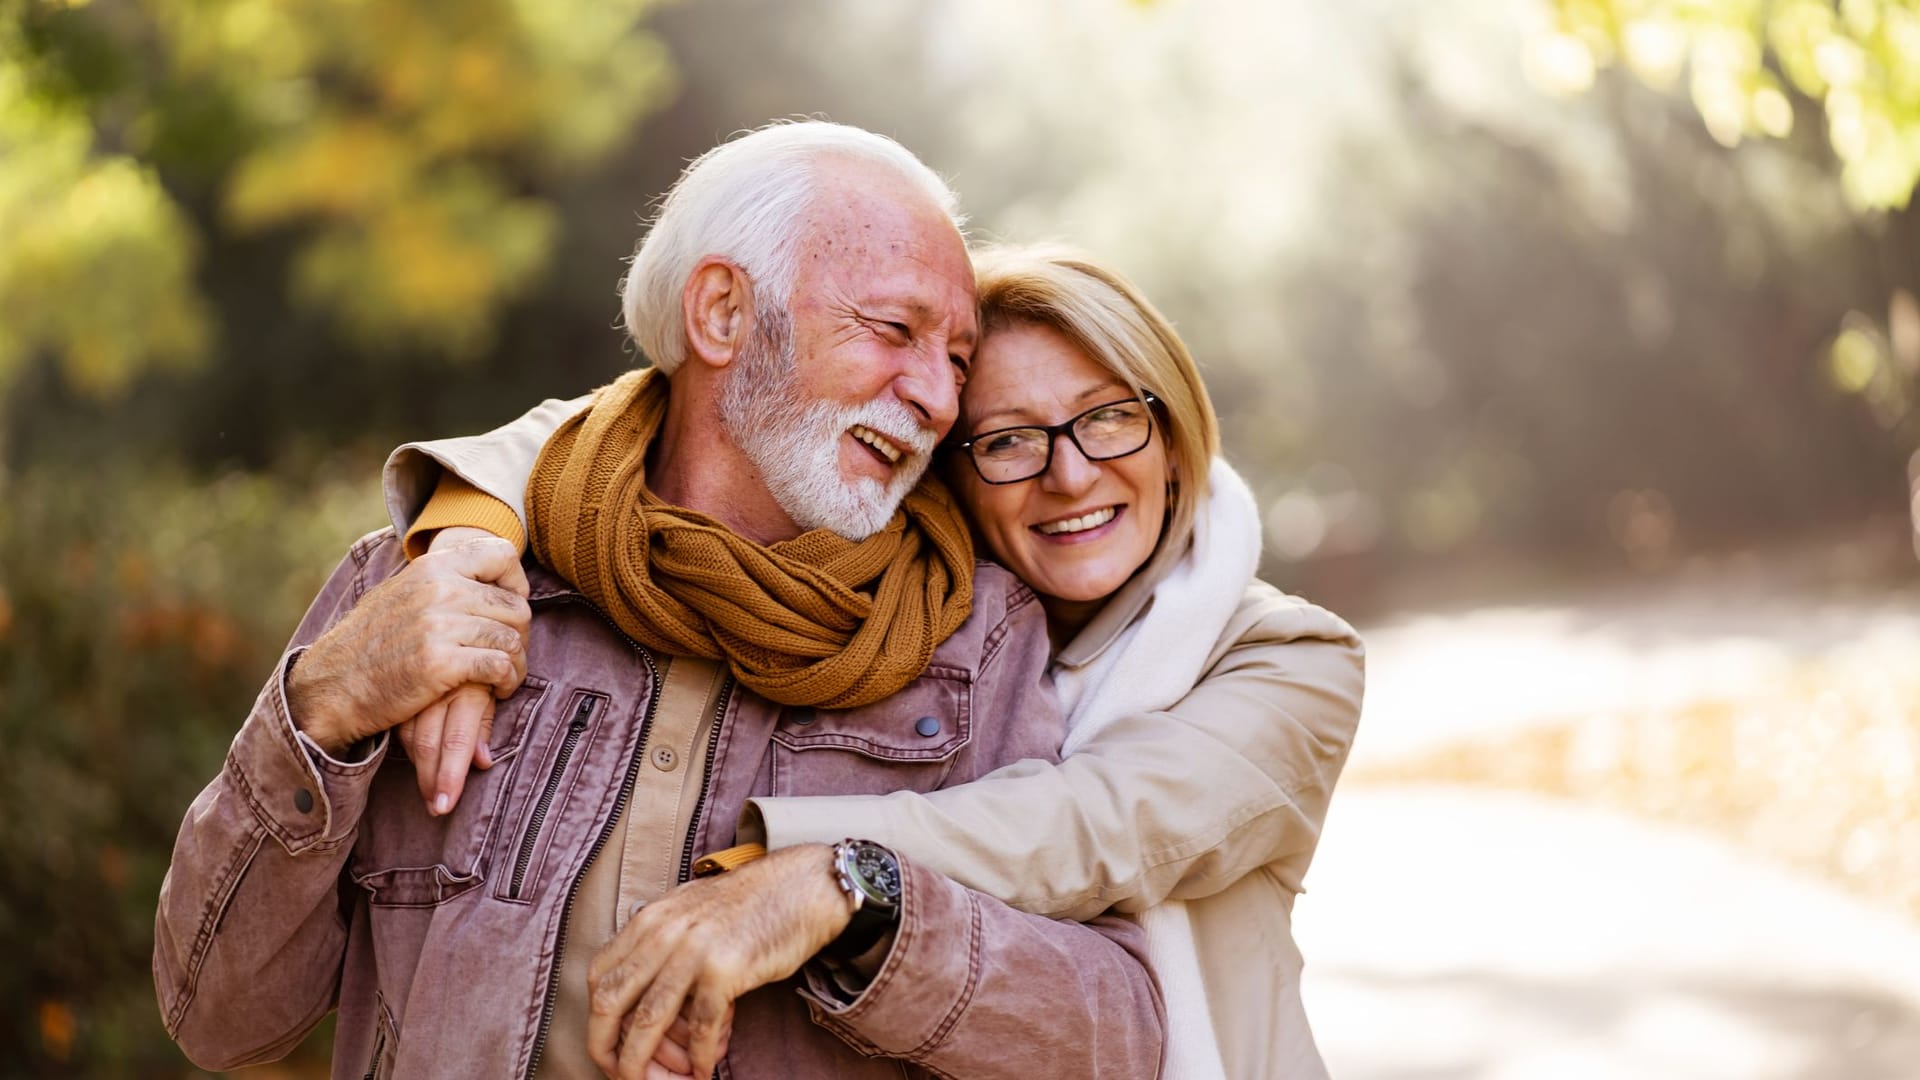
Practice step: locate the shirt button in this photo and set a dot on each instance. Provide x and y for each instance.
(664, 758)
(303, 800)
(927, 726)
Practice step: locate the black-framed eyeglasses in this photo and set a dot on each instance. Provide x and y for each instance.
(1104, 432)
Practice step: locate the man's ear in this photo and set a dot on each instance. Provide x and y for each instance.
(717, 305)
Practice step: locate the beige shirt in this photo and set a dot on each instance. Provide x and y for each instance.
(642, 857)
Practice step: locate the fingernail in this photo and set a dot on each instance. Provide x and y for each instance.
(441, 802)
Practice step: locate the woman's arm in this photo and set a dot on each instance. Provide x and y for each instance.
(1179, 803)
(478, 480)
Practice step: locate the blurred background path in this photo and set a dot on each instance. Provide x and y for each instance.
(1664, 834)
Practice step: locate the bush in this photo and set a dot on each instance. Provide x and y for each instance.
(139, 611)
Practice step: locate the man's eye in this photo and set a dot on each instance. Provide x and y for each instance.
(897, 331)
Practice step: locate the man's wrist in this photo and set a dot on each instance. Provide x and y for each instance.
(308, 694)
(869, 875)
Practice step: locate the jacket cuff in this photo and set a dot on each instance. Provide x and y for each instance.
(304, 798)
(456, 502)
(917, 996)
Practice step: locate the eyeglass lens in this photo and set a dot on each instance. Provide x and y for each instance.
(1103, 432)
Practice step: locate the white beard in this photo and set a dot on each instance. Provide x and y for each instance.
(795, 443)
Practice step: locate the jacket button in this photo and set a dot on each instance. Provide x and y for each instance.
(801, 717)
(927, 726)
(303, 800)
(664, 758)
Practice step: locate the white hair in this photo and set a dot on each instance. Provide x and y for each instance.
(746, 200)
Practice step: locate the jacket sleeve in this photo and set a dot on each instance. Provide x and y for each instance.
(250, 934)
(494, 465)
(972, 987)
(1175, 804)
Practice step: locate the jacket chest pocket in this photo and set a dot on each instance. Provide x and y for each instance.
(909, 742)
(547, 777)
(405, 857)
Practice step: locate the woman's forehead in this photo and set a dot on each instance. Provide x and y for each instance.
(1030, 372)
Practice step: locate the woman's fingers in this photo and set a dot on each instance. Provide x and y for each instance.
(469, 712)
(421, 737)
(671, 1054)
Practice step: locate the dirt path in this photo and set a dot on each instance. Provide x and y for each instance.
(1628, 839)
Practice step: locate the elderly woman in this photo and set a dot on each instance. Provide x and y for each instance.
(1209, 713)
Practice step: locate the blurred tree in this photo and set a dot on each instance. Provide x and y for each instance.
(1859, 59)
(1759, 68)
(399, 150)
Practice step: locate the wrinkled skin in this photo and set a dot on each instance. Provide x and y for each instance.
(453, 617)
(693, 952)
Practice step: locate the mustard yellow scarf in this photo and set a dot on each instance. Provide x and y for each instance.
(817, 620)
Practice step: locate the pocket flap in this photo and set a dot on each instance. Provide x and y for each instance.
(930, 720)
(414, 886)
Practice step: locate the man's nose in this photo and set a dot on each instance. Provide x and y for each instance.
(1069, 473)
(929, 388)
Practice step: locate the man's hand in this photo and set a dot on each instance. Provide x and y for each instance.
(450, 735)
(697, 949)
(671, 1060)
(451, 618)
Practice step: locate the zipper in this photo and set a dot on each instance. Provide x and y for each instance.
(582, 717)
(706, 779)
(379, 1047)
(606, 830)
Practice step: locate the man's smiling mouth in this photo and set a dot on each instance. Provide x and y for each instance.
(880, 443)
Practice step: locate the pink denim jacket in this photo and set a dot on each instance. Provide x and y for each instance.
(301, 884)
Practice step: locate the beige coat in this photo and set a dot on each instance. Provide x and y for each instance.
(1219, 800)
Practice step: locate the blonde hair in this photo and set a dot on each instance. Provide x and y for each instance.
(746, 200)
(1104, 316)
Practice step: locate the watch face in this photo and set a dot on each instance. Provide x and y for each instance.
(878, 870)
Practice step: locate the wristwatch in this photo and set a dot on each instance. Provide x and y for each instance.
(870, 876)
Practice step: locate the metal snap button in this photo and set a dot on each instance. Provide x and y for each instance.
(303, 801)
(664, 758)
(800, 717)
(927, 726)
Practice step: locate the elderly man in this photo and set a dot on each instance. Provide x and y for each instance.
(740, 591)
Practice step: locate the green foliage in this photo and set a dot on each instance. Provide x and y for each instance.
(97, 260)
(400, 148)
(1858, 59)
(139, 611)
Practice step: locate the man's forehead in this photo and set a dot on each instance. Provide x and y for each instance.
(922, 273)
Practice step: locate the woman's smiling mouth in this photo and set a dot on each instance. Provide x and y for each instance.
(1078, 524)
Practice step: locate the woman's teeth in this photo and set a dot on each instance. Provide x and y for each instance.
(1079, 524)
(877, 441)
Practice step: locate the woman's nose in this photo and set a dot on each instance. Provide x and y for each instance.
(1069, 473)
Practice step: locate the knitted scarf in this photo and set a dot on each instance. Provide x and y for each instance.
(817, 620)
